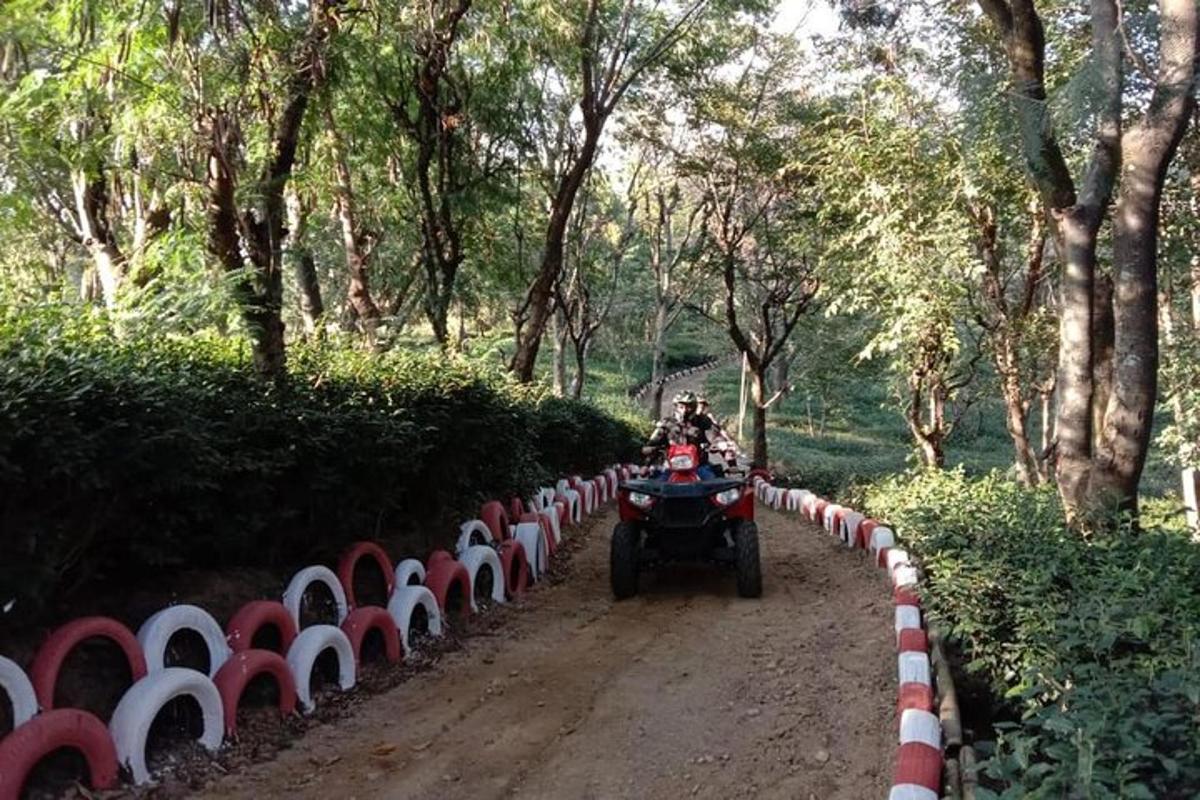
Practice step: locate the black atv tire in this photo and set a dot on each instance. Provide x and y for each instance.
(746, 560)
(623, 562)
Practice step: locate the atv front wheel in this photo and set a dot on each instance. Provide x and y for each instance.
(749, 568)
(623, 564)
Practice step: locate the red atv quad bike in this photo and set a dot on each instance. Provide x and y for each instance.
(684, 518)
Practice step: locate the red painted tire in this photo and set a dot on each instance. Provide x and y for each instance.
(366, 618)
(516, 568)
(350, 559)
(914, 695)
(912, 639)
(442, 573)
(54, 651)
(561, 508)
(251, 618)
(765, 474)
(548, 532)
(28, 744)
(496, 518)
(864, 532)
(918, 764)
(515, 508)
(819, 512)
(905, 596)
(244, 666)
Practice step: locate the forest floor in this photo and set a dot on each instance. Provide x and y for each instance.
(684, 690)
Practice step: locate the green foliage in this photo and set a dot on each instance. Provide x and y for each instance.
(119, 456)
(1092, 645)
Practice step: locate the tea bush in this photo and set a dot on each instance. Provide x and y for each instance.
(1093, 645)
(120, 455)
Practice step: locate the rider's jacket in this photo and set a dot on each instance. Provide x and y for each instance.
(669, 430)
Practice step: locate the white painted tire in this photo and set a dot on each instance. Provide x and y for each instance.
(881, 538)
(475, 558)
(611, 475)
(850, 522)
(131, 721)
(404, 601)
(16, 684)
(601, 484)
(588, 491)
(896, 558)
(305, 578)
(830, 511)
(409, 567)
(911, 791)
(907, 617)
(551, 515)
(529, 534)
(913, 667)
(905, 576)
(156, 633)
(917, 725)
(472, 533)
(312, 641)
(809, 507)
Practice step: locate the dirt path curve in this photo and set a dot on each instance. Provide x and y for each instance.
(683, 691)
(695, 382)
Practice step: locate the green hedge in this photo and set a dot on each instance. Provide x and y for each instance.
(1094, 646)
(122, 455)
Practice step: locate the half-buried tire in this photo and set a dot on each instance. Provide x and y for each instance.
(746, 560)
(302, 656)
(243, 667)
(25, 746)
(130, 723)
(404, 603)
(16, 684)
(515, 564)
(623, 560)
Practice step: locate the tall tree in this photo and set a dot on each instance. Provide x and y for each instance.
(1100, 468)
(247, 237)
(758, 220)
(613, 49)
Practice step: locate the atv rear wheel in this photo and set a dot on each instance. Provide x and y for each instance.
(623, 563)
(747, 563)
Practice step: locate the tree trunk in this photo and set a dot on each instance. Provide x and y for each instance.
(928, 436)
(1146, 153)
(1102, 354)
(91, 206)
(1016, 419)
(559, 332)
(580, 377)
(758, 393)
(658, 360)
(308, 285)
(354, 241)
(541, 294)
(783, 367)
(1074, 419)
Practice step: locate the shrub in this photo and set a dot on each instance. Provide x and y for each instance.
(119, 456)
(1093, 645)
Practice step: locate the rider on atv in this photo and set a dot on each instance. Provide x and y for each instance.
(684, 427)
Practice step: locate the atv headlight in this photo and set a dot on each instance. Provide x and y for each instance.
(641, 500)
(683, 461)
(728, 497)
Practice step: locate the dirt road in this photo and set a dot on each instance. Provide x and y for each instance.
(683, 691)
